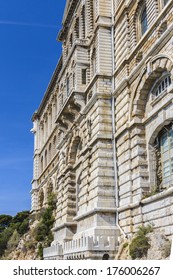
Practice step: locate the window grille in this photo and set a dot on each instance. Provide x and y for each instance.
(162, 86)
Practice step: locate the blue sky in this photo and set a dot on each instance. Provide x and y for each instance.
(28, 56)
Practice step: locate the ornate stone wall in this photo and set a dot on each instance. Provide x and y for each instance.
(141, 115)
(97, 128)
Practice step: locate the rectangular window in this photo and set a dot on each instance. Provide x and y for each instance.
(84, 76)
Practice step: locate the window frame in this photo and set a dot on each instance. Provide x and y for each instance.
(157, 83)
(166, 156)
(143, 27)
(84, 76)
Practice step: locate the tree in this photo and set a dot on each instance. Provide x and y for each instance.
(5, 221)
(20, 222)
(20, 217)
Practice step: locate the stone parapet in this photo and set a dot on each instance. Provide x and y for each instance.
(53, 252)
(85, 247)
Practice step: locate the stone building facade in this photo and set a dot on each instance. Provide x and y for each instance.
(104, 128)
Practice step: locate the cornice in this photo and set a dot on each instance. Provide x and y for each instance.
(93, 211)
(51, 86)
(68, 14)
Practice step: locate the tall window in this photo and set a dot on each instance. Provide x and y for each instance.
(144, 24)
(166, 142)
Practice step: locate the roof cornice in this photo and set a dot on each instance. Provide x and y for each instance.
(68, 13)
(51, 86)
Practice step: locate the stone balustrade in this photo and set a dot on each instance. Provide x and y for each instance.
(53, 251)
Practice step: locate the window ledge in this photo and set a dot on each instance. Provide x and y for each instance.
(158, 196)
(158, 98)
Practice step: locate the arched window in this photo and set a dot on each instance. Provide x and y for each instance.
(144, 24)
(165, 156)
(162, 85)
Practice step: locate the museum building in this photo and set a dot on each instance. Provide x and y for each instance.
(103, 132)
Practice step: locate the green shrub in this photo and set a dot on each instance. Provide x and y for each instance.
(13, 241)
(30, 245)
(4, 237)
(140, 244)
(52, 201)
(23, 227)
(11, 228)
(40, 251)
(43, 231)
(20, 217)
